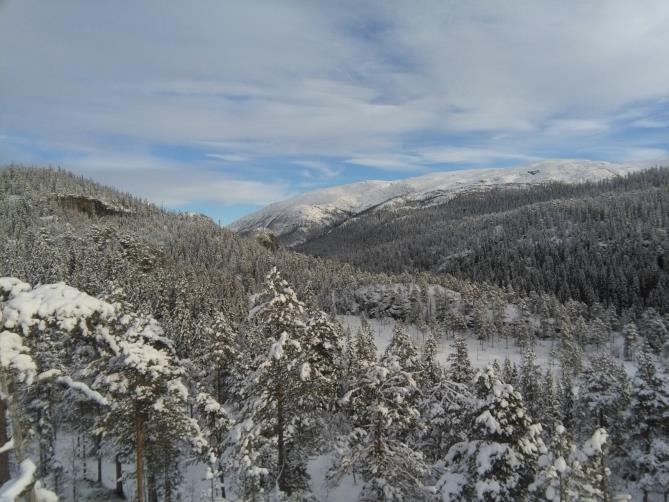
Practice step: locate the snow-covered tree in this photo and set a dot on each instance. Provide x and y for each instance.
(646, 441)
(630, 340)
(376, 448)
(604, 394)
(403, 350)
(459, 367)
(432, 372)
(530, 383)
(498, 460)
(216, 423)
(365, 348)
(569, 474)
(291, 384)
(108, 355)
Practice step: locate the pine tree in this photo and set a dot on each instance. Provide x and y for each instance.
(648, 427)
(568, 474)
(365, 347)
(275, 396)
(432, 372)
(403, 350)
(293, 383)
(323, 346)
(599, 332)
(549, 413)
(216, 423)
(460, 368)
(529, 383)
(376, 448)
(499, 460)
(604, 394)
(570, 352)
(507, 375)
(630, 340)
(567, 401)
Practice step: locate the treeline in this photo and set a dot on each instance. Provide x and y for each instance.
(602, 242)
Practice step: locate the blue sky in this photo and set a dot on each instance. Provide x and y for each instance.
(223, 107)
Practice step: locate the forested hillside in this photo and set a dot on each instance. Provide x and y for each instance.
(156, 356)
(595, 242)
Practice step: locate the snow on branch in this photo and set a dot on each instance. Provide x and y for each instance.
(60, 302)
(14, 356)
(13, 488)
(83, 389)
(9, 445)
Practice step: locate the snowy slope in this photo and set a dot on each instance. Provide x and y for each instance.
(307, 215)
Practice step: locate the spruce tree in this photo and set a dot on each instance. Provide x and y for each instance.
(403, 350)
(376, 448)
(459, 367)
(498, 461)
(647, 426)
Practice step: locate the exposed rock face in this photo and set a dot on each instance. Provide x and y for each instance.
(265, 237)
(90, 205)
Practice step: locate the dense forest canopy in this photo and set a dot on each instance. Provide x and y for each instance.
(602, 242)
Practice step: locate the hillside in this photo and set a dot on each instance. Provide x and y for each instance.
(306, 216)
(144, 349)
(596, 242)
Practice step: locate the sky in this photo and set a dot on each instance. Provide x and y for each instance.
(222, 107)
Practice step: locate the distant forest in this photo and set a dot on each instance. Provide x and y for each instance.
(595, 242)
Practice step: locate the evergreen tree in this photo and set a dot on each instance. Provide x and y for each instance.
(498, 461)
(459, 367)
(376, 448)
(568, 474)
(365, 347)
(630, 340)
(432, 373)
(604, 394)
(529, 383)
(648, 427)
(403, 350)
(279, 392)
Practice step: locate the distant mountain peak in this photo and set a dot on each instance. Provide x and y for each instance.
(300, 218)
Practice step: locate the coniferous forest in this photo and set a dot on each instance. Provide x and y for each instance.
(510, 345)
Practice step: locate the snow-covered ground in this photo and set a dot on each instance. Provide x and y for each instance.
(480, 354)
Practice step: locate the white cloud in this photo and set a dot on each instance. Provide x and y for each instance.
(316, 166)
(644, 154)
(228, 157)
(173, 184)
(391, 85)
(651, 123)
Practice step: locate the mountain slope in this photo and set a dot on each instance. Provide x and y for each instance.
(309, 215)
(594, 242)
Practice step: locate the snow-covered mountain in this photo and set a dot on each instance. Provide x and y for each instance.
(307, 215)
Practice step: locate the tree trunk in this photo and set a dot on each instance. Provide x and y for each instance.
(98, 452)
(119, 477)
(219, 384)
(168, 489)
(139, 455)
(152, 487)
(222, 481)
(6, 388)
(4, 457)
(281, 446)
(379, 454)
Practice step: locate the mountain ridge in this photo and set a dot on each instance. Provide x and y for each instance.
(298, 219)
